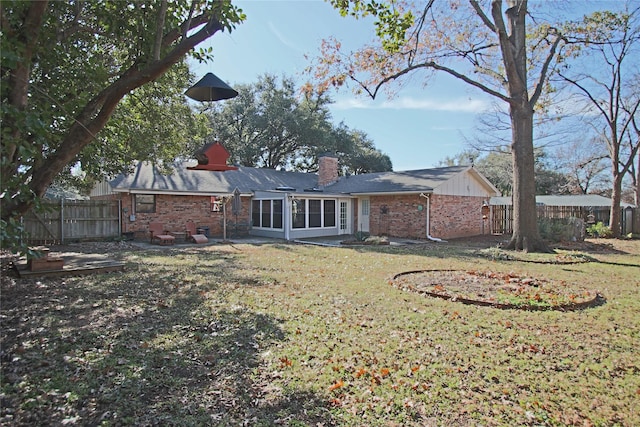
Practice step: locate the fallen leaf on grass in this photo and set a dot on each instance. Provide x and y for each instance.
(338, 384)
(360, 372)
(285, 362)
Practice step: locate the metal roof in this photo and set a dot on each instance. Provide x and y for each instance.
(588, 200)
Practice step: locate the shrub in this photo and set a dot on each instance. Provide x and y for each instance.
(599, 230)
(561, 229)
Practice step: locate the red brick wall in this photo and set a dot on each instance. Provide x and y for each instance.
(397, 216)
(450, 216)
(175, 211)
(456, 216)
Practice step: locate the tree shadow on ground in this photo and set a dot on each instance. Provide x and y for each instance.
(155, 345)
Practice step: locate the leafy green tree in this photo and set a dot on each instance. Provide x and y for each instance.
(270, 124)
(479, 43)
(65, 68)
(265, 126)
(496, 166)
(152, 123)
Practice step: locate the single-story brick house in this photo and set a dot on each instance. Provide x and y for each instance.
(442, 202)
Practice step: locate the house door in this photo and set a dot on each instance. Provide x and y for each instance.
(344, 216)
(363, 215)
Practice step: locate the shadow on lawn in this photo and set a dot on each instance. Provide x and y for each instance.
(146, 347)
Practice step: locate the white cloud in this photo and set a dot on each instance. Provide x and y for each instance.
(284, 40)
(460, 105)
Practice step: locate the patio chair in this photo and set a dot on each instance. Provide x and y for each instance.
(195, 237)
(160, 234)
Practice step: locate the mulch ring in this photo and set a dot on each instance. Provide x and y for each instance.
(497, 254)
(497, 290)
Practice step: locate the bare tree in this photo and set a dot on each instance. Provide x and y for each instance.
(609, 42)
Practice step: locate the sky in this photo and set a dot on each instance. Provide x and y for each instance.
(419, 127)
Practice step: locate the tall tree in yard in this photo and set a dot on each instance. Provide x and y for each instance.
(67, 65)
(610, 44)
(479, 43)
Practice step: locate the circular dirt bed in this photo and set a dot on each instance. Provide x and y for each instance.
(498, 290)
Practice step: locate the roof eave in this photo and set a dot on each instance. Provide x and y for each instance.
(391, 193)
(177, 192)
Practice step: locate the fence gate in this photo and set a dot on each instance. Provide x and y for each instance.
(65, 220)
(502, 219)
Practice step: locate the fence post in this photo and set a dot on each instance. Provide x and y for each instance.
(62, 221)
(119, 217)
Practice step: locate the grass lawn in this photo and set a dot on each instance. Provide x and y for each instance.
(293, 335)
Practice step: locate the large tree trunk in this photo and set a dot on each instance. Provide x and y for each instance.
(616, 197)
(636, 181)
(525, 226)
(513, 39)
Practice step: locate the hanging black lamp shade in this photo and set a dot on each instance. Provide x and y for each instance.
(211, 88)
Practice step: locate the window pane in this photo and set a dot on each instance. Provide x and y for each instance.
(298, 213)
(266, 213)
(145, 203)
(315, 213)
(365, 207)
(329, 213)
(277, 214)
(255, 213)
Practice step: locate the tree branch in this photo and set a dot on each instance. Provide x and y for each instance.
(506, 47)
(18, 80)
(416, 33)
(587, 94)
(543, 72)
(98, 111)
(483, 16)
(435, 66)
(159, 30)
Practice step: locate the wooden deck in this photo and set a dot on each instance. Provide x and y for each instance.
(75, 263)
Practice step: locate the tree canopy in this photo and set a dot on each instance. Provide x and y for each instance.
(496, 166)
(66, 66)
(271, 124)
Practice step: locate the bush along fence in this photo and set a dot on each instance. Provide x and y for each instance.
(64, 221)
(552, 219)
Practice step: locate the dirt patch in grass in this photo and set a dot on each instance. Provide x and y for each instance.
(498, 290)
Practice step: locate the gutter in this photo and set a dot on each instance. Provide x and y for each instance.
(433, 239)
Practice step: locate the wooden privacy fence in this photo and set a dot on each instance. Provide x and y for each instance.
(64, 220)
(502, 216)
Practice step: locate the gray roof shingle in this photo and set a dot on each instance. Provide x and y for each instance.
(146, 177)
(396, 182)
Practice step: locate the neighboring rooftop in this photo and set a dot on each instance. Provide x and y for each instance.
(590, 200)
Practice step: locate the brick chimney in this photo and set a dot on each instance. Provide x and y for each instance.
(327, 170)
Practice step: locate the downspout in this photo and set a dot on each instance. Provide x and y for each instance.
(287, 215)
(434, 239)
